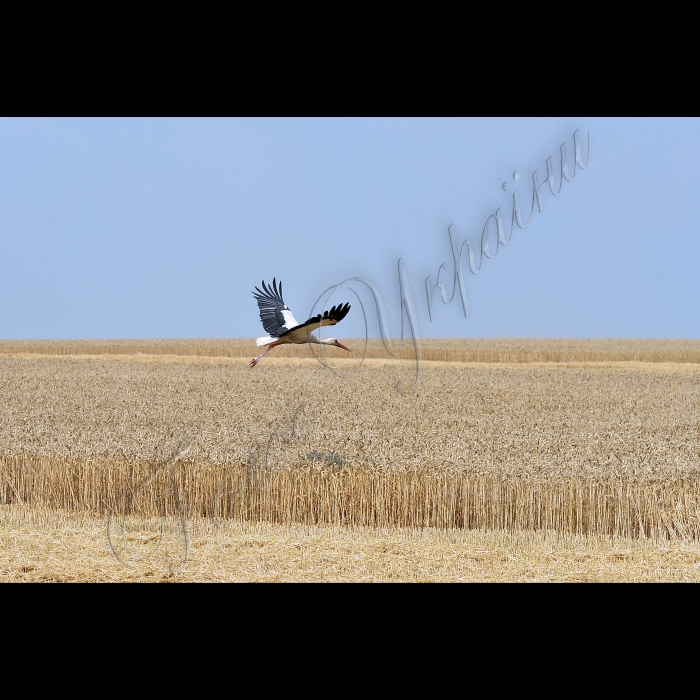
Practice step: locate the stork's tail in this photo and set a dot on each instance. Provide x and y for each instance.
(265, 341)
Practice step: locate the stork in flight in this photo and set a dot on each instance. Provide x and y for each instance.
(283, 328)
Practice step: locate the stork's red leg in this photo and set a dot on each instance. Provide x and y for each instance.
(257, 359)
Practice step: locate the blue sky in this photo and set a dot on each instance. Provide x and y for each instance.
(137, 228)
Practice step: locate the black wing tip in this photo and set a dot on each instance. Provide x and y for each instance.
(337, 313)
(273, 290)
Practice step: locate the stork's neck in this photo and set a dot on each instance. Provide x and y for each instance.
(325, 341)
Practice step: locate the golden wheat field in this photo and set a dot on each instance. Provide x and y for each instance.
(511, 460)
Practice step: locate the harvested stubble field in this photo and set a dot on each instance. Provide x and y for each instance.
(580, 448)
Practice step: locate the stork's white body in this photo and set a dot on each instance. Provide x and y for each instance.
(298, 336)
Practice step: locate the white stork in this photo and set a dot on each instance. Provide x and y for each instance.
(283, 328)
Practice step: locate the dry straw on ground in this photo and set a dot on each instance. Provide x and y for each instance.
(50, 545)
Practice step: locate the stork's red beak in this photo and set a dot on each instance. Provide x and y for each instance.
(340, 345)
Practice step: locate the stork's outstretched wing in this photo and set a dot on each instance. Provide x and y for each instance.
(275, 315)
(329, 318)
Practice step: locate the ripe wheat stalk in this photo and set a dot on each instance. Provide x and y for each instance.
(588, 452)
(351, 496)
